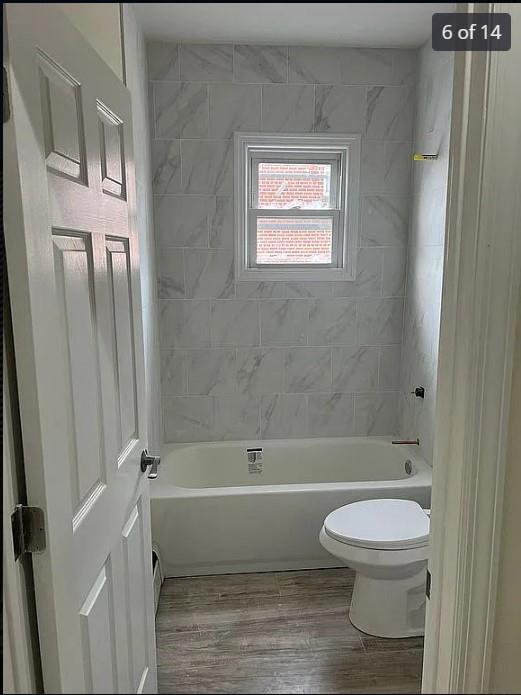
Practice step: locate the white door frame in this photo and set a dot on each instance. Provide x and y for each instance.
(19, 673)
(480, 295)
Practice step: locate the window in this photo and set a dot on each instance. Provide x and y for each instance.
(296, 206)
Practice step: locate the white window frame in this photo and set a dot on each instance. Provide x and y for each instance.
(343, 153)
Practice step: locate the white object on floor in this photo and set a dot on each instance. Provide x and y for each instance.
(386, 542)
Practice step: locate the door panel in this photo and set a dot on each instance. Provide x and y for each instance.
(133, 545)
(75, 294)
(124, 353)
(74, 269)
(63, 132)
(98, 635)
(111, 152)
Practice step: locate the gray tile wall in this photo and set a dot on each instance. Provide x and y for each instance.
(426, 248)
(276, 359)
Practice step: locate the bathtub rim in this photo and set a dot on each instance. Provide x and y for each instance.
(160, 489)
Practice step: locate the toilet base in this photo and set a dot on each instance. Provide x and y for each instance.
(389, 607)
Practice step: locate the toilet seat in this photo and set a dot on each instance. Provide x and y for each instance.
(381, 524)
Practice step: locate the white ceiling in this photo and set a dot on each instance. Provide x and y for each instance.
(320, 24)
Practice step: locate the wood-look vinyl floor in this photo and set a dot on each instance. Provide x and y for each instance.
(276, 632)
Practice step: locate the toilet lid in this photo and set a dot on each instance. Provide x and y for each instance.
(380, 524)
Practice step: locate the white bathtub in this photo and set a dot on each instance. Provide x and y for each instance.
(213, 513)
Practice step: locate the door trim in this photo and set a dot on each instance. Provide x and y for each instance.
(480, 295)
(20, 668)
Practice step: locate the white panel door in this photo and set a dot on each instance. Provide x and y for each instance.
(74, 276)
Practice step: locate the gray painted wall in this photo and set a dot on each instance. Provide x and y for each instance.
(249, 360)
(426, 248)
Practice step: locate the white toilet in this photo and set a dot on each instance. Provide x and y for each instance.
(386, 542)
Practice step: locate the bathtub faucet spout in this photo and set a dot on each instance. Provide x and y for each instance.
(406, 441)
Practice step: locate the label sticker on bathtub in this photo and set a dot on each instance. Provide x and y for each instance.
(254, 460)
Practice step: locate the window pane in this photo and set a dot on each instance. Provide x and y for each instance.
(304, 186)
(294, 240)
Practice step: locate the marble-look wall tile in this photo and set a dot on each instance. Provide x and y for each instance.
(397, 170)
(405, 67)
(234, 107)
(332, 322)
(236, 417)
(163, 60)
(308, 289)
(355, 368)
(393, 279)
(261, 290)
(428, 213)
(434, 105)
(366, 66)
(166, 166)
(261, 63)
(283, 416)
(314, 65)
(235, 322)
(284, 322)
(384, 220)
(389, 371)
(425, 422)
(182, 220)
(376, 414)
(173, 372)
(407, 417)
(282, 359)
(206, 63)
(425, 276)
(181, 110)
(188, 418)
(331, 415)
(287, 108)
(207, 166)
(211, 372)
(380, 321)
(339, 109)
(184, 324)
(209, 273)
(390, 113)
(170, 274)
(419, 346)
(372, 166)
(307, 369)
(221, 223)
(260, 370)
(368, 282)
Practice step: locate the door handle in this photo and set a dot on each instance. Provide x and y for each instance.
(150, 461)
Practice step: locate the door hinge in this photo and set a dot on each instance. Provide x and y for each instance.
(28, 525)
(5, 94)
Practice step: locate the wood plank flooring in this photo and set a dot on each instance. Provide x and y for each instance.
(277, 632)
